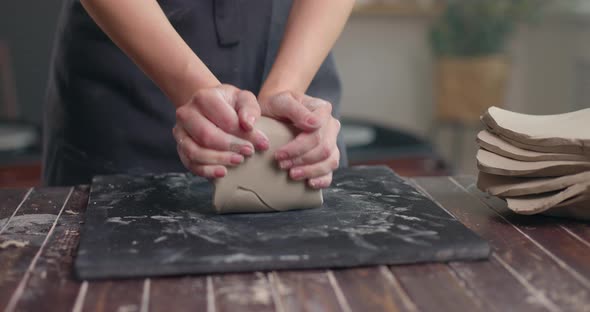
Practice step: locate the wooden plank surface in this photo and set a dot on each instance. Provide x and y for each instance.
(432, 285)
(178, 294)
(115, 295)
(547, 282)
(495, 286)
(10, 200)
(537, 265)
(240, 292)
(578, 229)
(309, 290)
(557, 242)
(373, 289)
(30, 225)
(51, 280)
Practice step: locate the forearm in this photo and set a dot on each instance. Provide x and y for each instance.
(143, 32)
(312, 30)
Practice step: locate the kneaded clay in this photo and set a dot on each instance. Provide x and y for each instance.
(533, 204)
(512, 186)
(561, 133)
(495, 144)
(259, 185)
(495, 164)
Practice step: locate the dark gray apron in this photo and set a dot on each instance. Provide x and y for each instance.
(104, 116)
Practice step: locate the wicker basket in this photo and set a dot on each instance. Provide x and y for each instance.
(466, 87)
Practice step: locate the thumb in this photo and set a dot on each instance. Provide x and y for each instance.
(286, 106)
(248, 109)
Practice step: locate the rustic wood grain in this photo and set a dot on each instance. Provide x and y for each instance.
(178, 294)
(496, 286)
(308, 290)
(9, 201)
(546, 231)
(241, 292)
(537, 265)
(115, 295)
(30, 225)
(433, 287)
(546, 281)
(490, 281)
(373, 289)
(52, 279)
(578, 229)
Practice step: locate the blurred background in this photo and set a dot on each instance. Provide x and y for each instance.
(416, 75)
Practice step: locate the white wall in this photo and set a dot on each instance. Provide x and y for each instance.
(385, 65)
(386, 68)
(546, 59)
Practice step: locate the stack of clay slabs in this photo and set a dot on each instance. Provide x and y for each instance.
(538, 164)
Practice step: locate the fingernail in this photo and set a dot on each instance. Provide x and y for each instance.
(313, 184)
(219, 172)
(312, 121)
(281, 155)
(262, 145)
(262, 142)
(286, 164)
(236, 159)
(251, 121)
(296, 173)
(246, 150)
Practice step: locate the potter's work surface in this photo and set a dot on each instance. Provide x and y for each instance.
(165, 225)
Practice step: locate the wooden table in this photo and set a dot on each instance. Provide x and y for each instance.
(538, 264)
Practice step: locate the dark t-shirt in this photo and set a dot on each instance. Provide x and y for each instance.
(104, 116)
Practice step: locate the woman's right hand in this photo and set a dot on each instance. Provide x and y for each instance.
(215, 129)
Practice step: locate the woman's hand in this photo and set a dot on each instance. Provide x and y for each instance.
(313, 154)
(215, 129)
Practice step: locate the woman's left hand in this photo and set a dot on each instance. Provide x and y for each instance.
(313, 154)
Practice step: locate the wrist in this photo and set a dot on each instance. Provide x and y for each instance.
(275, 85)
(194, 77)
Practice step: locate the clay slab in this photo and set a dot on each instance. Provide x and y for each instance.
(561, 133)
(512, 186)
(539, 203)
(495, 144)
(495, 164)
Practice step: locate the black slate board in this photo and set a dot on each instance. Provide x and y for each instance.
(164, 225)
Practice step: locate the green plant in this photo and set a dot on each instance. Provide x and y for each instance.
(479, 27)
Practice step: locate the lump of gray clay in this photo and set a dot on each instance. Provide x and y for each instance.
(259, 185)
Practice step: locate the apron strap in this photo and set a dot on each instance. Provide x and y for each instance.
(278, 23)
(227, 22)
